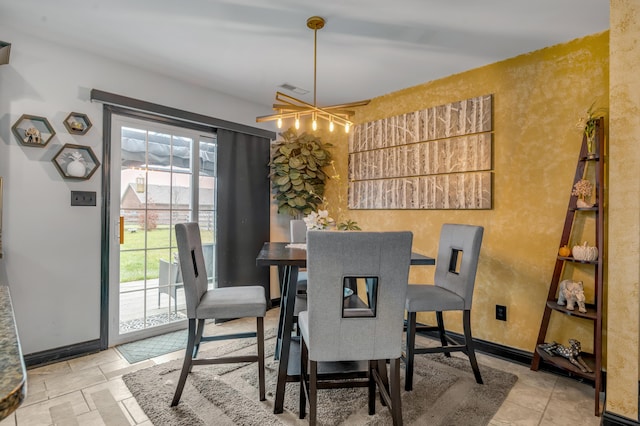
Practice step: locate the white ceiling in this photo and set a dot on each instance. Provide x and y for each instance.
(247, 48)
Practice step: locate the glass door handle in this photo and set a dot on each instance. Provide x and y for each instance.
(121, 230)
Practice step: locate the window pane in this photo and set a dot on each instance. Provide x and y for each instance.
(181, 192)
(181, 154)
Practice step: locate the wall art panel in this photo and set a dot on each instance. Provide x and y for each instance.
(450, 191)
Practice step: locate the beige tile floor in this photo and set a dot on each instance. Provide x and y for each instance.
(90, 391)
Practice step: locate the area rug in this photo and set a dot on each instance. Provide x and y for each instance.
(445, 393)
(153, 346)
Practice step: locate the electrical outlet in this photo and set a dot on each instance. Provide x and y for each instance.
(501, 312)
(83, 198)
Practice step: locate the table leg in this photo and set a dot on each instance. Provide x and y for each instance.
(288, 299)
(283, 276)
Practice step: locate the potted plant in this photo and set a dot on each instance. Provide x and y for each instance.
(588, 124)
(297, 178)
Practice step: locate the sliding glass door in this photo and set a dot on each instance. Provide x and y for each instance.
(161, 175)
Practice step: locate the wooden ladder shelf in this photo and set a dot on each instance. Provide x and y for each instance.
(594, 309)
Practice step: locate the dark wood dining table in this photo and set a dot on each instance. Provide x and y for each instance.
(289, 260)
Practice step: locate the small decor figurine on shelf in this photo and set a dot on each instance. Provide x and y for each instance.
(585, 252)
(76, 126)
(32, 135)
(583, 189)
(76, 166)
(572, 353)
(572, 293)
(77, 123)
(564, 251)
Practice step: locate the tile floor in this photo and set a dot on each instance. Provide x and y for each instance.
(90, 391)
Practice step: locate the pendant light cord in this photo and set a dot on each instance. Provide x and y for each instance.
(315, 44)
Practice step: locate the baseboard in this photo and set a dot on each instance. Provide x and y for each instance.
(511, 354)
(610, 419)
(38, 359)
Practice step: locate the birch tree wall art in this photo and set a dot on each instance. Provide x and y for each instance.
(436, 158)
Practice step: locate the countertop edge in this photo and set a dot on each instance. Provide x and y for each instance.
(13, 380)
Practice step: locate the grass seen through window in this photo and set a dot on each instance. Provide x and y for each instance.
(158, 246)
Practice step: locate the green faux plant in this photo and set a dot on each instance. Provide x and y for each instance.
(297, 178)
(348, 225)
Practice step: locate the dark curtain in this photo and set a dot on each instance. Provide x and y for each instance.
(243, 208)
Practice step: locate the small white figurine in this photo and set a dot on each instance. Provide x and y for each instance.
(572, 292)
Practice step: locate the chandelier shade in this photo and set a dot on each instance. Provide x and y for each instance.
(289, 107)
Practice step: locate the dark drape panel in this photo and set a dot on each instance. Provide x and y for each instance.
(243, 208)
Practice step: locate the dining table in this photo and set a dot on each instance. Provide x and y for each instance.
(289, 258)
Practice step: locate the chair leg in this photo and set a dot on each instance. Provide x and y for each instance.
(304, 384)
(468, 340)
(394, 392)
(186, 366)
(373, 365)
(313, 392)
(443, 337)
(260, 336)
(200, 331)
(382, 372)
(411, 343)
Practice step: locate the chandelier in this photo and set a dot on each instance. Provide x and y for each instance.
(289, 107)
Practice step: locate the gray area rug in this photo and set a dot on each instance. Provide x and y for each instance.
(445, 393)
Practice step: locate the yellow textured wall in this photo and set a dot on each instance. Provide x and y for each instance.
(623, 326)
(538, 98)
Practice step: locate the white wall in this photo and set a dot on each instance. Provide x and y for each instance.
(52, 250)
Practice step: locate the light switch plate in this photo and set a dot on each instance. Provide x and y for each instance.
(83, 198)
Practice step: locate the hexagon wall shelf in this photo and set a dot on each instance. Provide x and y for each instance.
(77, 123)
(31, 130)
(76, 162)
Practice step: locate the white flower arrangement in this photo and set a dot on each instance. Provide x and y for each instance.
(319, 220)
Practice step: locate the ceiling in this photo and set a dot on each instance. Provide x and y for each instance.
(247, 48)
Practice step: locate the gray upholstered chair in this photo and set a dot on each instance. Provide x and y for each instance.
(339, 327)
(298, 231)
(298, 234)
(218, 303)
(455, 275)
(169, 280)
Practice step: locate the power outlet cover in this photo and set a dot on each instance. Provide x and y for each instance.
(83, 198)
(501, 312)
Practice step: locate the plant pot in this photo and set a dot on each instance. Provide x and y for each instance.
(582, 204)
